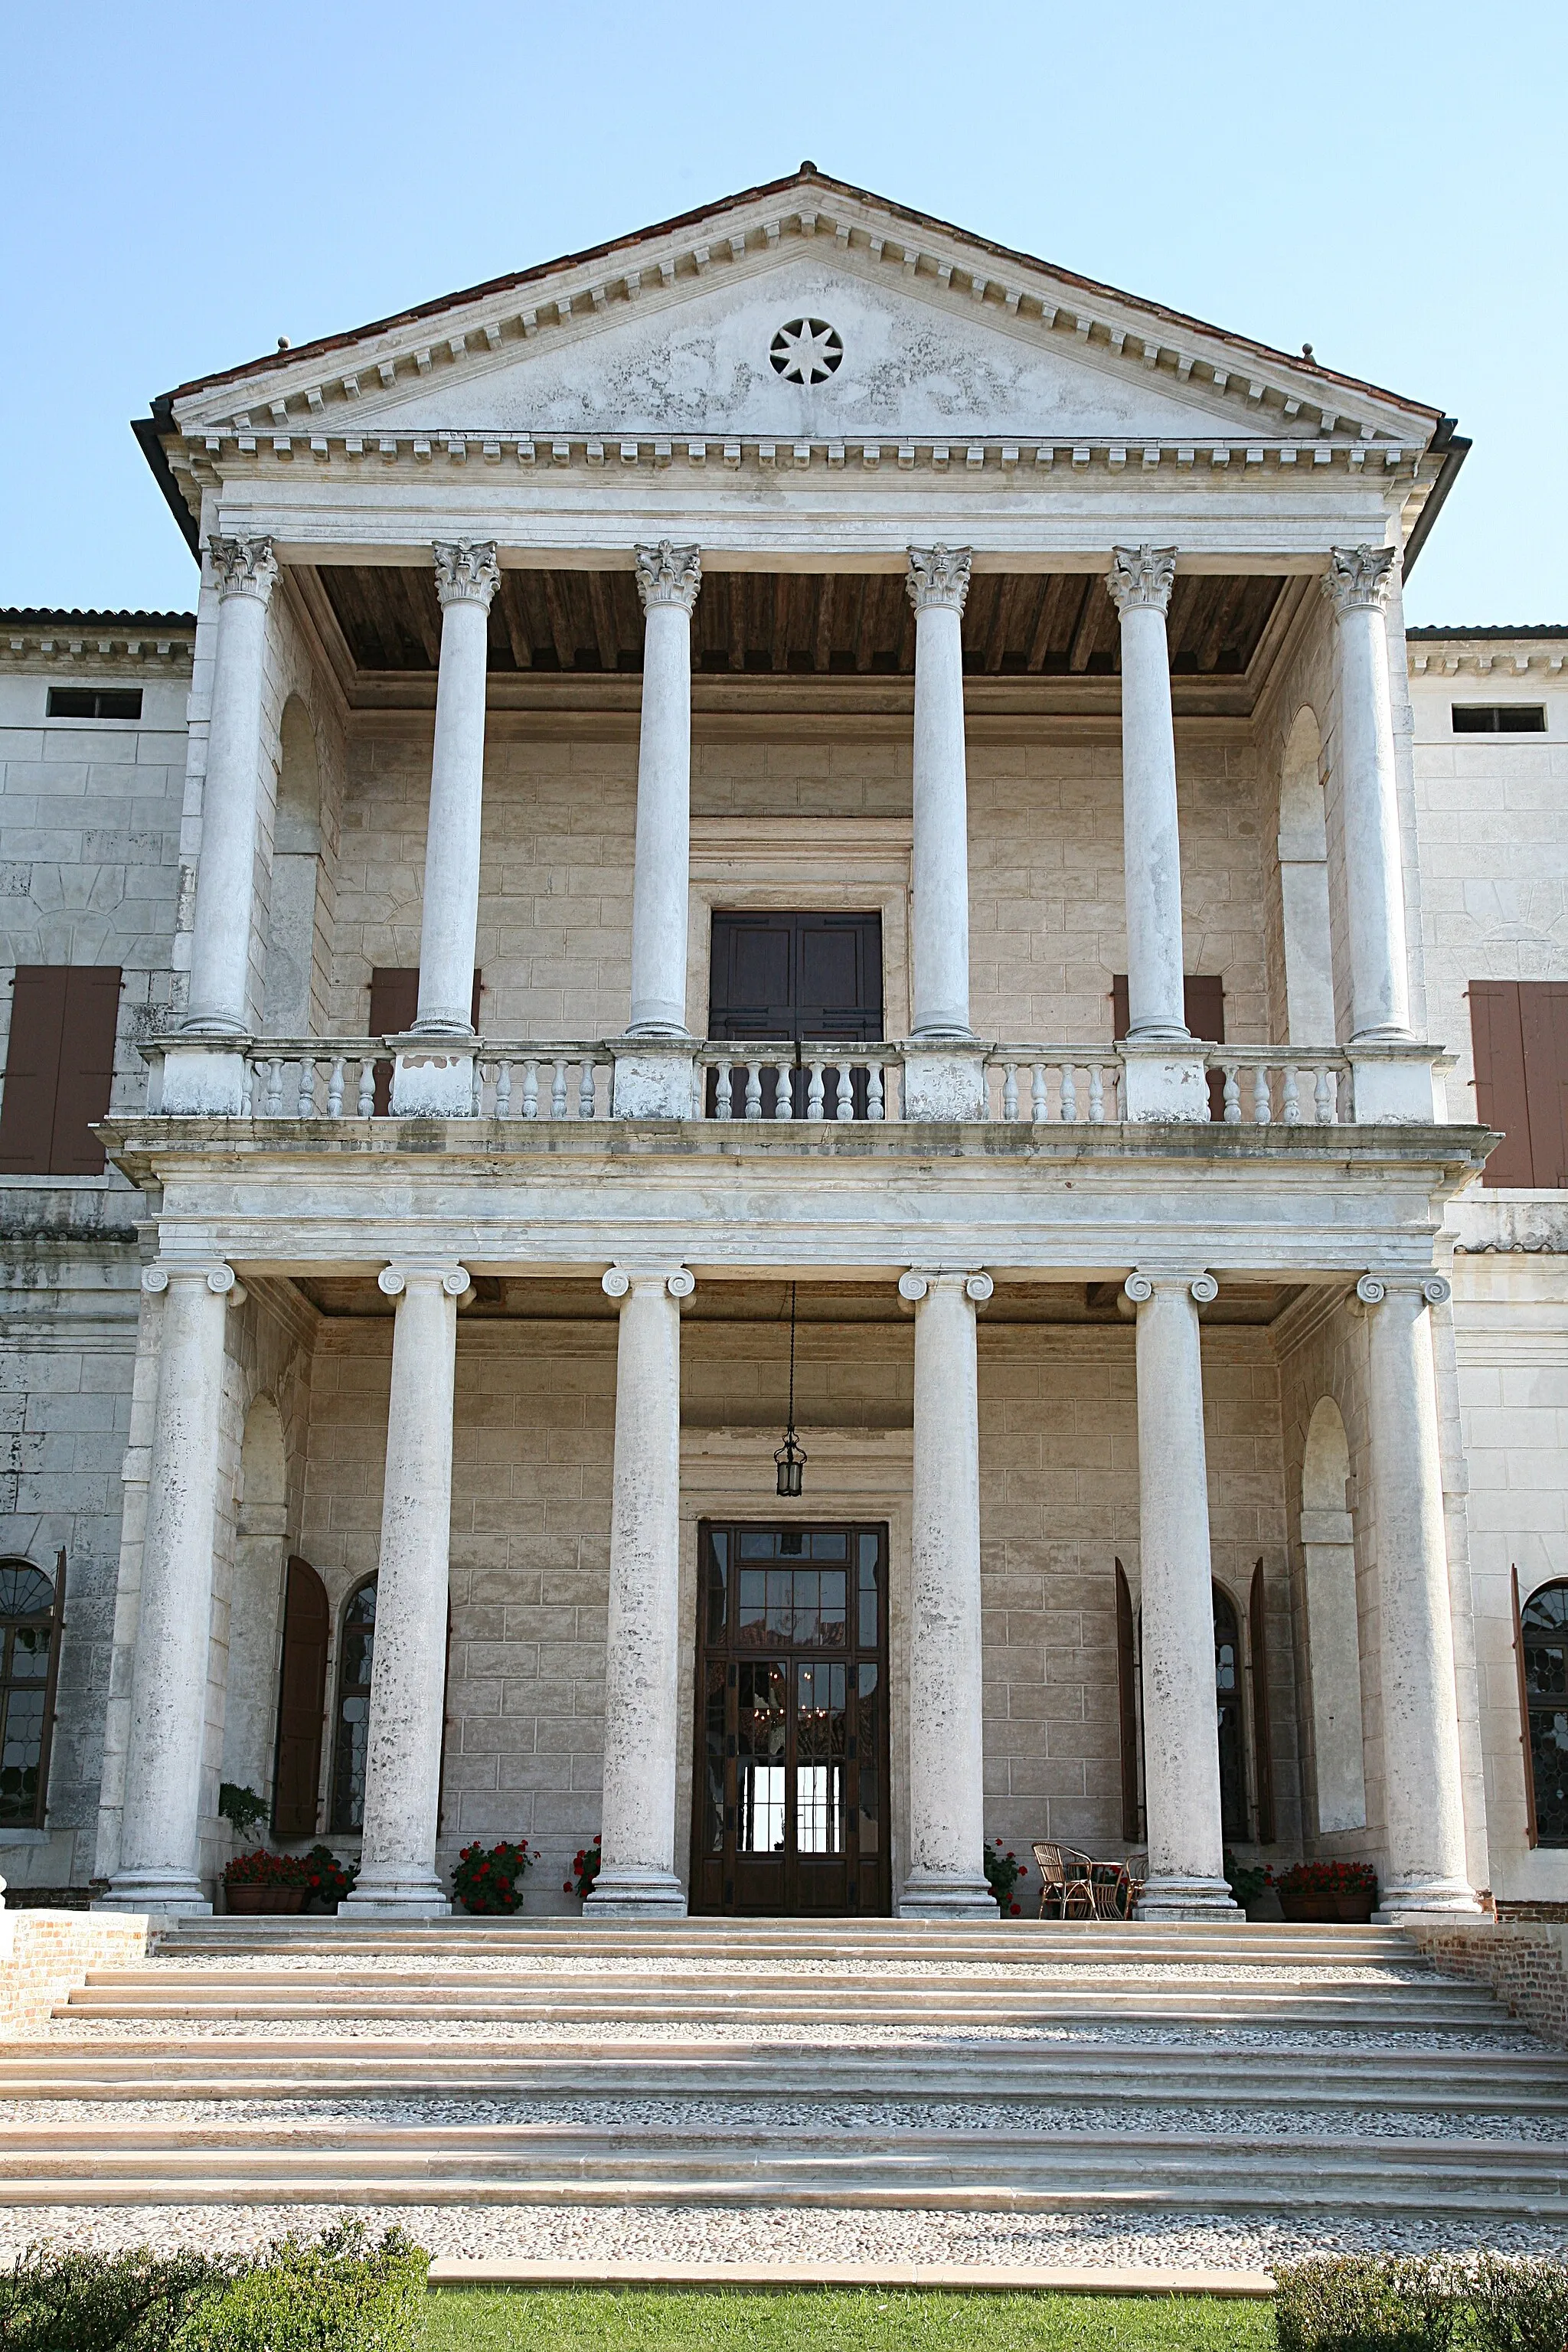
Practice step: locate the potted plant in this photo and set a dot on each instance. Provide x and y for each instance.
(489, 1879)
(1004, 1871)
(328, 1881)
(586, 1863)
(1328, 1890)
(259, 1882)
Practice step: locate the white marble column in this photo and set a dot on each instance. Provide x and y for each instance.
(1181, 1746)
(938, 586)
(637, 1876)
(1422, 1793)
(167, 1730)
(1357, 584)
(408, 1668)
(653, 1062)
(946, 1876)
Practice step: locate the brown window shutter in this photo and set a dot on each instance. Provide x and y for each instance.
(1497, 1036)
(32, 1069)
(1127, 1707)
(1262, 1745)
(393, 1008)
(1532, 1826)
(87, 1068)
(1543, 1025)
(301, 1703)
(1120, 1016)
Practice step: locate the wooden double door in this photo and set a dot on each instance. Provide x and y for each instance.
(790, 1803)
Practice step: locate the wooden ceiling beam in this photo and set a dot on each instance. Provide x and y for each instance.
(822, 631)
(562, 635)
(515, 621)
(1086, 626)
(606, 634)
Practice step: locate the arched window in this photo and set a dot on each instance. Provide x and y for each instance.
(356, 1647)
(1228, 1702)
(29, 1629)
(1544, 1644)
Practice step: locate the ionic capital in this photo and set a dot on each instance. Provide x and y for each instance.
(220, 1278)
(1140, 1286)
(917, 1280)
(1141, 576)
(395, 1280)
(1435, 1289)
(668, 575)
(243, 567)
(938, 578)
(465, 575)
(619, 1280)
(1358, 579)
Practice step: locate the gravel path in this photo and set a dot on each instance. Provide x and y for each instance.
(702, 2233)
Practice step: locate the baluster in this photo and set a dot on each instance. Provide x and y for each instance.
(585, 1088)
(335, 1088)
(558, 1089)
(754, 1090)
(1323, 1103)
(699, 1089)
(1232, 1095)
(503, 1090)
(875, 1103)
(530, 1089)
(723, 1107)
(843, 1093)
(305, 1101)
(1097, 1094)
(1010, 1090)
(1068, 1091)
(1039, 1100)
(814, 1092)
(1291, 1098)
(247, 1090)
(1262, 1103)
(477, 1091)
(784, 1101)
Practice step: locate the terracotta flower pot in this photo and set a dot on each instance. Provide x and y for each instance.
(272, 1902)
(1356, 1908)
(1301, 1908)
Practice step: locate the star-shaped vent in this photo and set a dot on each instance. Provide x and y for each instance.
(806, 351)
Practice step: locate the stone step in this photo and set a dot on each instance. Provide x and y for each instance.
(576, 2164)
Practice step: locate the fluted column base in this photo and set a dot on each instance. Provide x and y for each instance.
(943, 1894)
(633, 1892)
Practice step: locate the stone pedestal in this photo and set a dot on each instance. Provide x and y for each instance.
(408, 1672)
(944, 1082)
(655, 1077)
(946, 1876)
(432, 1080)
(637, 1877)
(1394, 1085)
(1161, 1083)
(201, 1080)
(1180, 1751)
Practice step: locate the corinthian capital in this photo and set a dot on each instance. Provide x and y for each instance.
(465, 575)
(1358, 579)
(938, 578)
(243, 567)
(1141, 575)
(668, 575)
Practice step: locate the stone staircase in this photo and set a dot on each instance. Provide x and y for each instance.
(1016, 2068)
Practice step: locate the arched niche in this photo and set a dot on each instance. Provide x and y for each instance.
(1304, 886)
(296, 878)
(1333, 1636)
(256, 1601)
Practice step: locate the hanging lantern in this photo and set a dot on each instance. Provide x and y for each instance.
(791, 1457)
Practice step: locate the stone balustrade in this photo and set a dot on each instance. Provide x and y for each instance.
(783, 1082)
(1042, 1084)
(1264, 1084)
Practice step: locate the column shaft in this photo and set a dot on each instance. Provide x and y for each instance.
(1423, 1789)
(637, 1877)
(946, 1876)
(667, 581)
(1357, 582)
(409, 1670)
(1181, 1748)
(1140, 584)
(466, 581)
(219, 999)
(938, 586)
(158, 1842)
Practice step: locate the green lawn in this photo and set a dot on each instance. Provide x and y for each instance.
(593, 2319)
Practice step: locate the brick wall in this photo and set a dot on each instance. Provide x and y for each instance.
(43, 1954)
(1526, 1964)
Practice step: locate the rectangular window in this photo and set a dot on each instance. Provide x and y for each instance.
(1519, 1031)
(95, 702)
(59, 1068)
(1499, 718)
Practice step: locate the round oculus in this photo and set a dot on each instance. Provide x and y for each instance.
(806, 351)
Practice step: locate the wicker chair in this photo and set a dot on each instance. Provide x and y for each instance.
(1065, 1881)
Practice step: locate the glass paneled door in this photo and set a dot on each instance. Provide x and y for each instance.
(790, 1811)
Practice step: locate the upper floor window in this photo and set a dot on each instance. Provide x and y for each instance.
(1499, 718)
(59, 1068)
(95, 702)
(1519, 1031)
(29, 1630)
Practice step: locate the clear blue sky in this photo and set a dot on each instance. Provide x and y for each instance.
(179, 187)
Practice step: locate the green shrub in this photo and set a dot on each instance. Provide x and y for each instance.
(337, 2293)
(1521, 2306)
(1355, 2303)
(100, 2302)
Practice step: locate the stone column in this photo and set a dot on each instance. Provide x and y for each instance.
(426, 1079)
(209, 1077)
(1180, 1747)
(1159, 1084)
(637, 1878)
(944, 1071)
(946, 1876)
(409, 1670)
(1423, 1808)
(167, 1732)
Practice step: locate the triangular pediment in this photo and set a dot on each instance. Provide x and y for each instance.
(940, 337)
